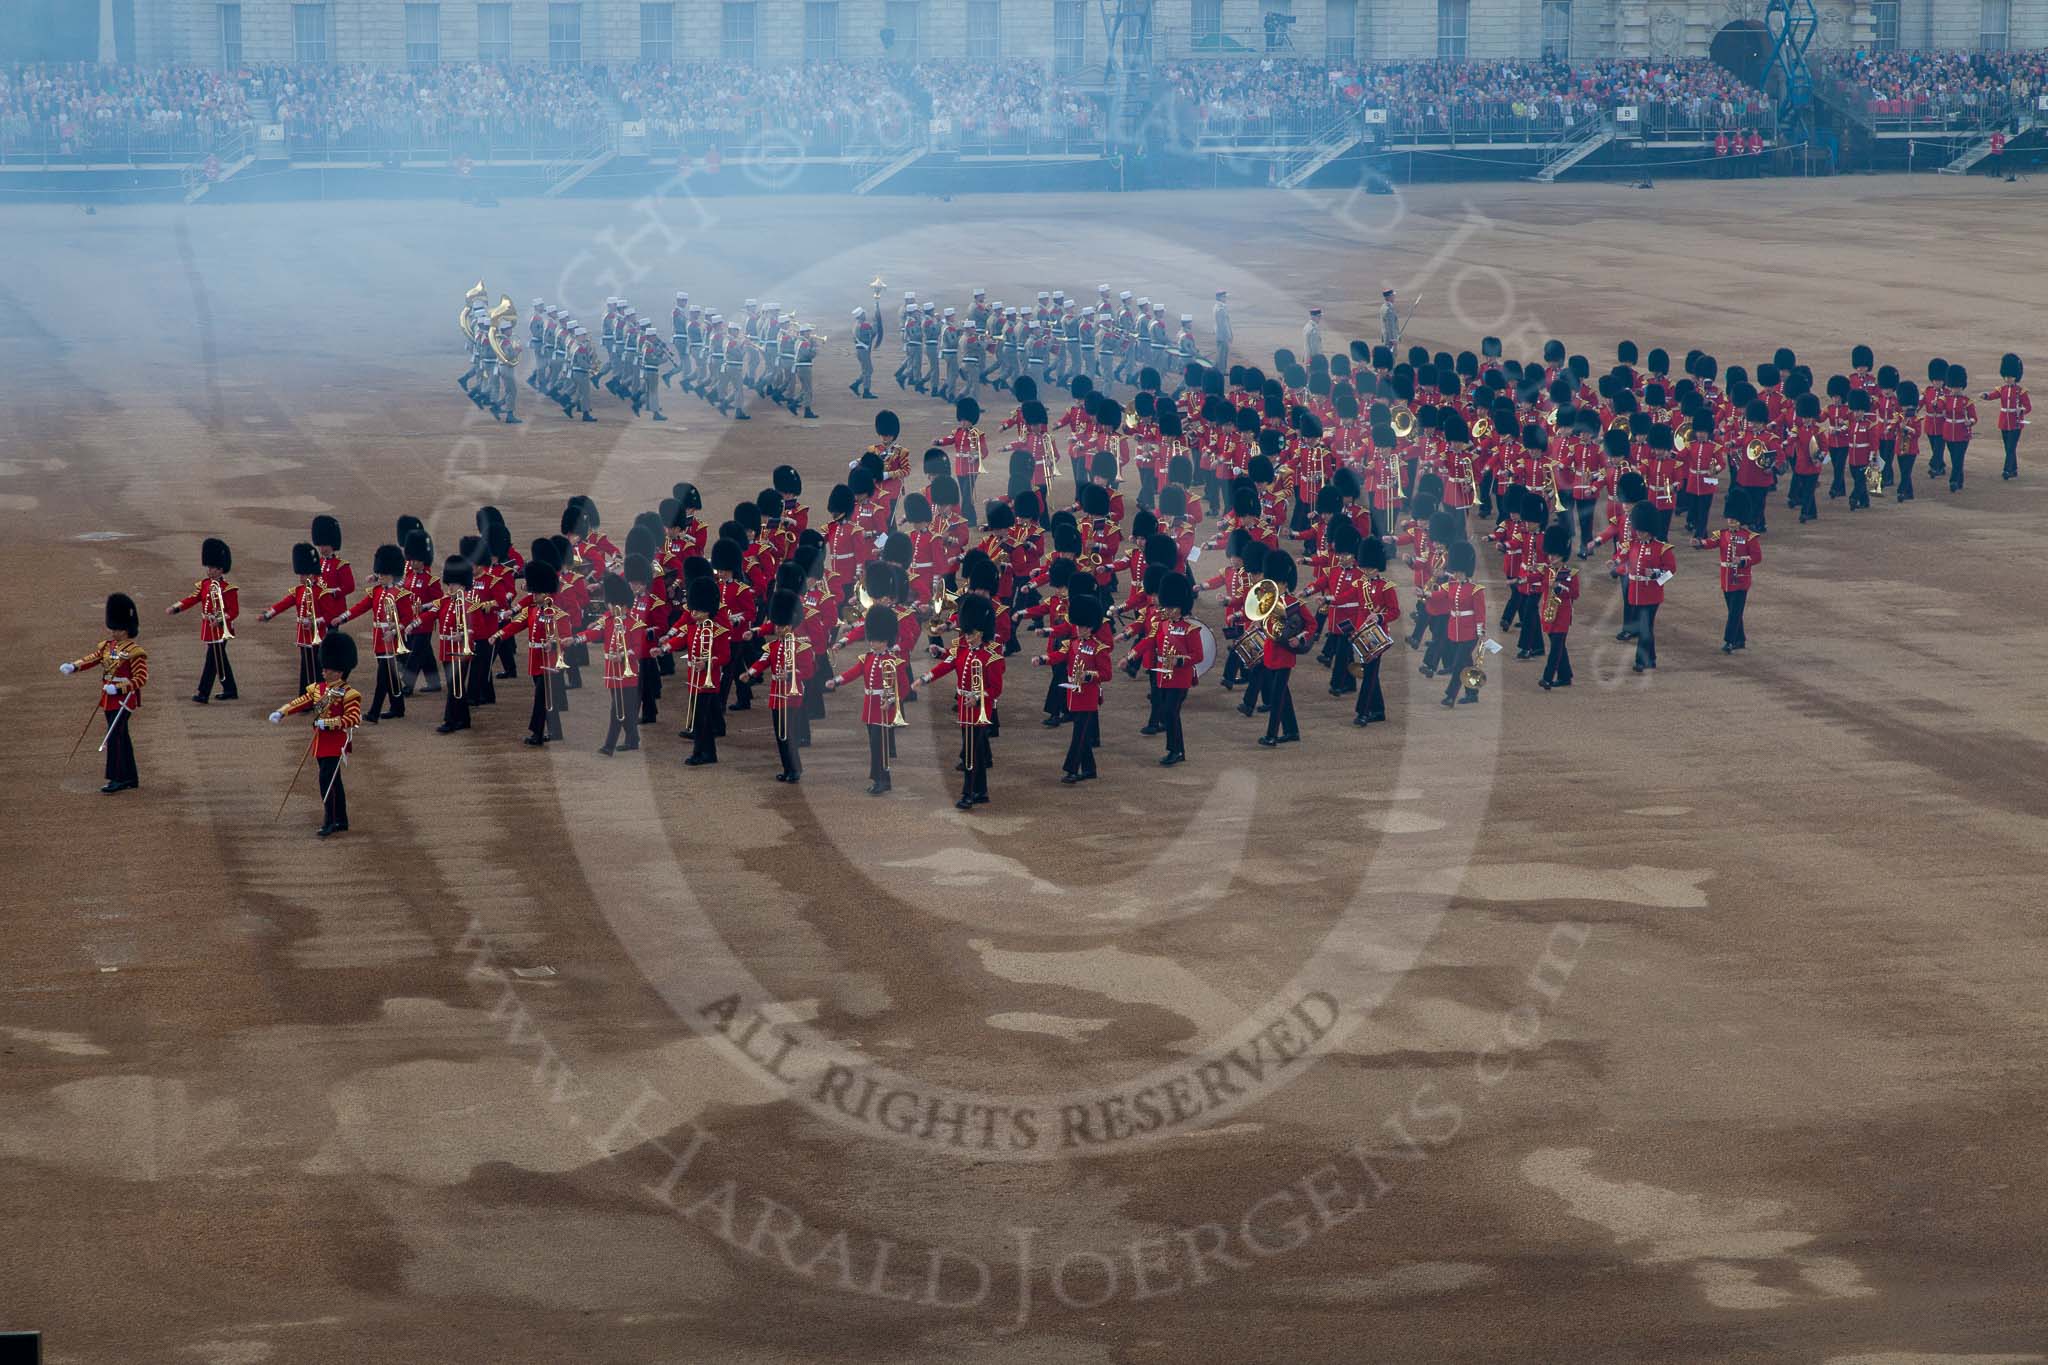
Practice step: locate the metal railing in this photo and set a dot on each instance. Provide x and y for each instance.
(430, 142)
(1655, 123)
(22, 143)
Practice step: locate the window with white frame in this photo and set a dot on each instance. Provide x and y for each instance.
(736, 32)
(1557, 30)
(905, 17)
(1884, 25)
(984, 30)
(1069, 36)
(422, 35)
(1451, 19)
(565, 35)
(1205, 25)
(309, 35)
(657, 34)
(821, 31)
(494, 33)
(230, 35)
(1340, 29)
(1994, 30)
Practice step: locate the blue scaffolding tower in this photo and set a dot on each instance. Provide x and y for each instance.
(1791, 24)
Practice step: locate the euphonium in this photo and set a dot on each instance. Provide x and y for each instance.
(1758, 452)
(1481, 428)
(1681, 439)
(1472, 677)
(1403, 423)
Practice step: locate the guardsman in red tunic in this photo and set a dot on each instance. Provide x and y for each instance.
(1705, 466)
(337, 710)
(1646, 566)
(1961, 423)
(884, 683)
(391, 613)
(703, 648)
(334, 570)
(219, 603)
(785, 665)
(847, 543)
(1341, 585)
(537, 615)
(1862, 447)
(458, 621)
(1382, 611)
(621, 639)
(1086, 657)
(1739, 550)
(1290, 630)
(1934, 415)
(970, 449)
(424, 583)
(1554, 611)
(1909, 433)
(314, 605)
(2013, 407)
(1463, 608)
(124, 672)
(976, 663)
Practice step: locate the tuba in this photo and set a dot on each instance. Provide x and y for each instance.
(1681, 439)
(1481, 429)
(1403, 423)
(1259, 605)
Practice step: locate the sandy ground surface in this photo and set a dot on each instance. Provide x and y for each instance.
(1688, 1018)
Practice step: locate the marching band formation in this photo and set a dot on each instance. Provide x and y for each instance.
(1297, 497)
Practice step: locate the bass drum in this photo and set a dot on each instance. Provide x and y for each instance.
(1208, 649)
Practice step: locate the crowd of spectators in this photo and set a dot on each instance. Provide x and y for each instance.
(847, 106)
(1943, 86)
(1434, 97)
(85, 108)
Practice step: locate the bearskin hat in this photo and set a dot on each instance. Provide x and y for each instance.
(616, 591)
(1025, 389)
(456, 571)
(785, 608)
(1244, 500)
(1937, 371)
(575, 520)
(979, 573)
(1861, 357)
(889, 426)
(1066, 536)
(1281, 568)
(727, 556)
(1615, 443)
(2009, 367)
(1909, 394)
(472, 549)
(1632, 488)
(1025, 506)
(1084, 609)
(999, 517)
(544, 550)
(1344, 538)
(1460, 557)
(214, 554)
(542, 576)
(977, 617)
(305, 560)
(945, 491)
(1642, 518)
(122, 617)
(419, 548)
(688, 498)
(967, 410)
(700, 594)
(326, 532)
(637, 570)
(1034, 413)
(1958, 377)
(338, 654)
(1557, 541)
(1059, 572)
(1176, 592)
(1659, 361)
(389, 561)
(839, 502)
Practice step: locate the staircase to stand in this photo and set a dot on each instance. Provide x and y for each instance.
(572, 170)
(1980, 147)
(1584, 140)
(880, 165)
(234, 154)
(1328, 144)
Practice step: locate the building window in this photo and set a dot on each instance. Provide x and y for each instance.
(1884, 25)
(657, 34)
(1450, 29)
(422, 35)
(821, 31)
(1069, 36)
(736, 33)
(565, 35)
(1205, 25)
(1340, 29)
(309, 34)
(903, 18)
(1993, 31)
(984, 30)
(1557, 30)
(494, 33)
(230, 35)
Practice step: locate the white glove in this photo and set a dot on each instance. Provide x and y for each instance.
(111, 690)
(277, 717)
(320, 724)
(67, 669)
